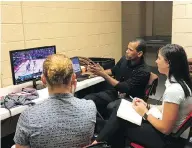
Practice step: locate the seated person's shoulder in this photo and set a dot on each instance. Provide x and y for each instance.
(86, 103)
(145, 68)
(24, 116)
(32, 110)
(174, 87)
(174, 93)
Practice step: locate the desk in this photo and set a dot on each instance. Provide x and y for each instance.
(43, 95)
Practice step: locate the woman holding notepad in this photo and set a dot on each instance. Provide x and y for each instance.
(153, 132)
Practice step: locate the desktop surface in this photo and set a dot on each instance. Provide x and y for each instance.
(43, 95)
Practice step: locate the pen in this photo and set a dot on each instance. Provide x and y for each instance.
(131, 97)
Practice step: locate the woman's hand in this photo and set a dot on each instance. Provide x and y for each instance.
(140, 108)
(138, 101)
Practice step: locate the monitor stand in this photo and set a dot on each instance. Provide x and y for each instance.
(37, 86)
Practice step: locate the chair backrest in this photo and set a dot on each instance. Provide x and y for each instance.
(151, 87)
(185, 125)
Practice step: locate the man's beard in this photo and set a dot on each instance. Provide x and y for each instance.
(128, 58)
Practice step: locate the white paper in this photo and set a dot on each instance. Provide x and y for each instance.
(127, 112)
(155, 112)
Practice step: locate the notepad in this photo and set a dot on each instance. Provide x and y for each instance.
(127, 112)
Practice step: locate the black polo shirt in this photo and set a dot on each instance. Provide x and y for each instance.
(133, 79)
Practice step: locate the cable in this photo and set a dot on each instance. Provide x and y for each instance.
(100, 115)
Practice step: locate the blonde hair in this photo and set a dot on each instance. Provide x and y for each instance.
(57, 69)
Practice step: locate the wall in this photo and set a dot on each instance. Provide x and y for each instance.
(145, 18)
(162, 17)
(149, 18)
(76, 28)
(181, 26)
(133, 21)
(158, 22)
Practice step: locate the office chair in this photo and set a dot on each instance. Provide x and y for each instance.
(151, 86)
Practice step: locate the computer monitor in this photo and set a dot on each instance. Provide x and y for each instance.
(27, 64)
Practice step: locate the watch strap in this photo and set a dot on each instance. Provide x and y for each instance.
(145, 116)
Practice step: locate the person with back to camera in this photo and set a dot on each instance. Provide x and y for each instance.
(62, 120)
(177, 101)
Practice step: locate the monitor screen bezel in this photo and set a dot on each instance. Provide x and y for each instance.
(22, 50)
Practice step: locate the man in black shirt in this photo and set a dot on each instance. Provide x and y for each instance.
(131, 76)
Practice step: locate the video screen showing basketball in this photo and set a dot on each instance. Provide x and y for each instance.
(28, 64)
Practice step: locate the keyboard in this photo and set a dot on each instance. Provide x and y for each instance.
(79, 79)
(82, 77)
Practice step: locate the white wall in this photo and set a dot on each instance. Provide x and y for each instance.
(182, 25)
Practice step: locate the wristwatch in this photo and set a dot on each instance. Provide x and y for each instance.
(145, 116)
